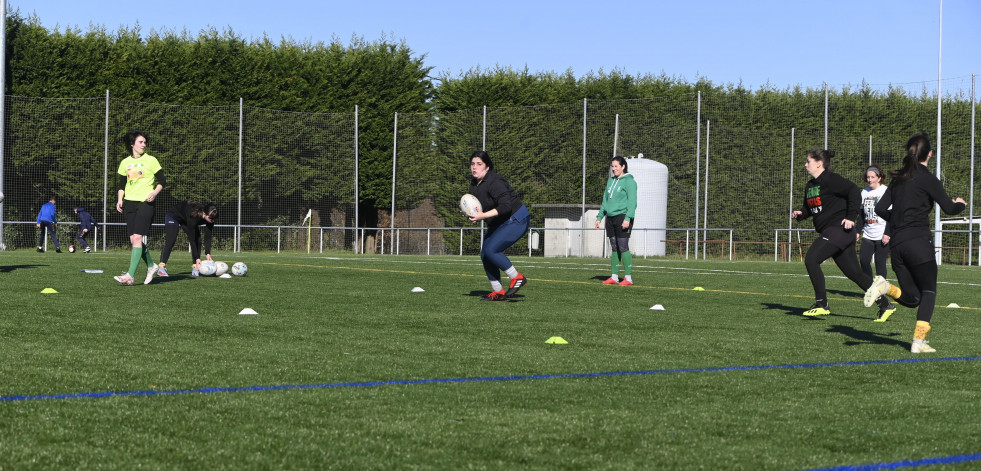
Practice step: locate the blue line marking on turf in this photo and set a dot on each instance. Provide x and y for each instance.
(906, 463)
(406, 382)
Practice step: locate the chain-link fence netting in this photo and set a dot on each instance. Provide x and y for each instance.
(734, 169)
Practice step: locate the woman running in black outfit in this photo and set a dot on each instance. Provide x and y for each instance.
(911, 196)
(835, 203)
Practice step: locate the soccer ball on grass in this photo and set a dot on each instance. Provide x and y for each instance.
(239, 269)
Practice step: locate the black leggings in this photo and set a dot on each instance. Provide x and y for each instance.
(846, 260)
(172, 230)
(868, 249)
(915, 267)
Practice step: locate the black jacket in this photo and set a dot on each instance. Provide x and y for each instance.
(495, 192)
(193, 227)
(829, 198)
(912, 201)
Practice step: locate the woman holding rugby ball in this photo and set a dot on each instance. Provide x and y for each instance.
(507, 221)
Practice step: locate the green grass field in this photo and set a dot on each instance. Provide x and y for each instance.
(344, 367)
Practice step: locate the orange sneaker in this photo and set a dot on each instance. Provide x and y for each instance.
(625, 283)
(610, 281)
(516, 284)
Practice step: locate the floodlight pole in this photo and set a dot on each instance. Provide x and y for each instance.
(938, 238)
(698, 170)
(825, 115)
(3, 104)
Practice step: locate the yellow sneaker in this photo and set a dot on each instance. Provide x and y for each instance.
(817, 310)
(885, 312)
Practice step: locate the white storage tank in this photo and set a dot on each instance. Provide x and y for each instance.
(652, 206)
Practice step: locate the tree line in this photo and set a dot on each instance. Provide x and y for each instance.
(382, 77)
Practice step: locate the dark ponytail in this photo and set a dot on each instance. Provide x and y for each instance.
(917, 151)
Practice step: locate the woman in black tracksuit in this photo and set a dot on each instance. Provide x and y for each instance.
(911, 195)
(194, 218)
(835, 204)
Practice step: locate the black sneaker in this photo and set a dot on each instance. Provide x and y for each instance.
(40, 250)
(58, 250)
(516, 284)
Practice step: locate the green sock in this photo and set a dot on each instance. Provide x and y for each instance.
(628, 263)
(146, 257)
(615, 262)
(134, 259)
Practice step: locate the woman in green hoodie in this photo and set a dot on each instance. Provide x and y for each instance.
(619, 206)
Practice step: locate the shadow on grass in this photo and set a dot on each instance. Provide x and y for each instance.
(483, 294)
(171, 279)
(799, 311)
(10, 268)
(864, 337)
(847, 294)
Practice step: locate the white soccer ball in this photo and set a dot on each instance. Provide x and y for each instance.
(470, 205)
(239, 269)
(207, 268)
(221, 269)
(71, 249)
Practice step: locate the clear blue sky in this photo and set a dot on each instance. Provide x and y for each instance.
(782, 43)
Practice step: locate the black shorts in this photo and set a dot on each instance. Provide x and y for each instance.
(839, 236)
(614, 227)
(139, 217)
(911, 253)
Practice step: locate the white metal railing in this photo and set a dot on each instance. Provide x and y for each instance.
(969, 250)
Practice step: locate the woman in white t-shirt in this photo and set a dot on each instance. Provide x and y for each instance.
(874, 235)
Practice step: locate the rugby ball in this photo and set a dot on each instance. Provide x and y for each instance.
(239, 269)
(207, 268)
(221, 268)
(470, 205)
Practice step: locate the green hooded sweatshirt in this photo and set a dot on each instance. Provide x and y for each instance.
(620, 197)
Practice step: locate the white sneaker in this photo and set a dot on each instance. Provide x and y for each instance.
(879, 288)
(921, 346)
(125, 279)
(149, 273)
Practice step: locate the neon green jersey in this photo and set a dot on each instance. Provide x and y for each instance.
(140, 176)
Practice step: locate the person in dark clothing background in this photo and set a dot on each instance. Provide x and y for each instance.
(911, 195)
(834, 203)
(86, 224)
(194, 218)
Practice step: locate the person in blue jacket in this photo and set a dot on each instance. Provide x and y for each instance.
(47, 221)
(85, 227)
